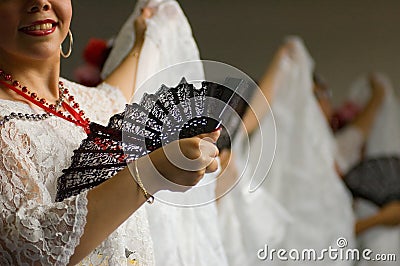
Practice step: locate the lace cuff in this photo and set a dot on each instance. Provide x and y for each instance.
(77, 230)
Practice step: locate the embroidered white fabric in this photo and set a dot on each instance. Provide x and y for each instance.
(303, 177)
(250, 220)
(34, 230)
(247, 220)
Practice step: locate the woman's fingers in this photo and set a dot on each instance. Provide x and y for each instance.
(185, 162)
(212, 167)
(211, 137)
(208, 148)
(140, 22)
(147, 12)
(196, 153)
(377, 87)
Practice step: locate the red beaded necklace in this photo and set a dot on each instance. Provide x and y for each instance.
(75, 114)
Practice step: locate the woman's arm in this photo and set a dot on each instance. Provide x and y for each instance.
(267, 84)
(123, 192)
(352, 138)
(389, 215)
(36, 231)
(365, 119)
(124, 76)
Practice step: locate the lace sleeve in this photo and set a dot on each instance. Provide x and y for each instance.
(33, 229)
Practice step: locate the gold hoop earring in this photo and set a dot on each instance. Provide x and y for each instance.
(71, 42)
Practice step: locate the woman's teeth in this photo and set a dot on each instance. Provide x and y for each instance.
(45, 26)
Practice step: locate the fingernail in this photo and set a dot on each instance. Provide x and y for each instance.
(218, 128)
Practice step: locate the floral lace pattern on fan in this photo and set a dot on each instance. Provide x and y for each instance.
(180, 112)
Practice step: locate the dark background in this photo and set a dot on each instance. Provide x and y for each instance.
(346, 38)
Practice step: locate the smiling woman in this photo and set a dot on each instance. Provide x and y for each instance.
(43, 119)
(29, 31)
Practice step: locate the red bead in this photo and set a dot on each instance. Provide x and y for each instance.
(87, 120)
(15, 83)
(59, 112)
(24, 89)
(52, 107)
(8, 77)
(71, 98)
(66, 91)
(76, 105)
(69, 116)
(43, 100)
(81, 113)
(33, 95)
(61, 83)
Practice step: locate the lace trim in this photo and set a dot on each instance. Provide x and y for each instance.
(77, 230)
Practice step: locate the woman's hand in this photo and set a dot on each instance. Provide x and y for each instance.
(377, 89)
(366, 118)
(229, 173)
(389, 215)
(124, 76)
(183, 163)
(113, 201)
(140, 25)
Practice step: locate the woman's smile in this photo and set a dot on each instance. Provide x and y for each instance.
(40, 28)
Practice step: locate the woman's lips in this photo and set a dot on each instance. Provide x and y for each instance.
(40, 28)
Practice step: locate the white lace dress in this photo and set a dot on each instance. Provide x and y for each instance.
(34, 230)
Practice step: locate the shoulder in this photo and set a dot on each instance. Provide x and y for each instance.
(100, 102)
(7, 107)
(101, 90)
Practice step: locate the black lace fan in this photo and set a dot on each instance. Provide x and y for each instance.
(169, 114)
(377, 180)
